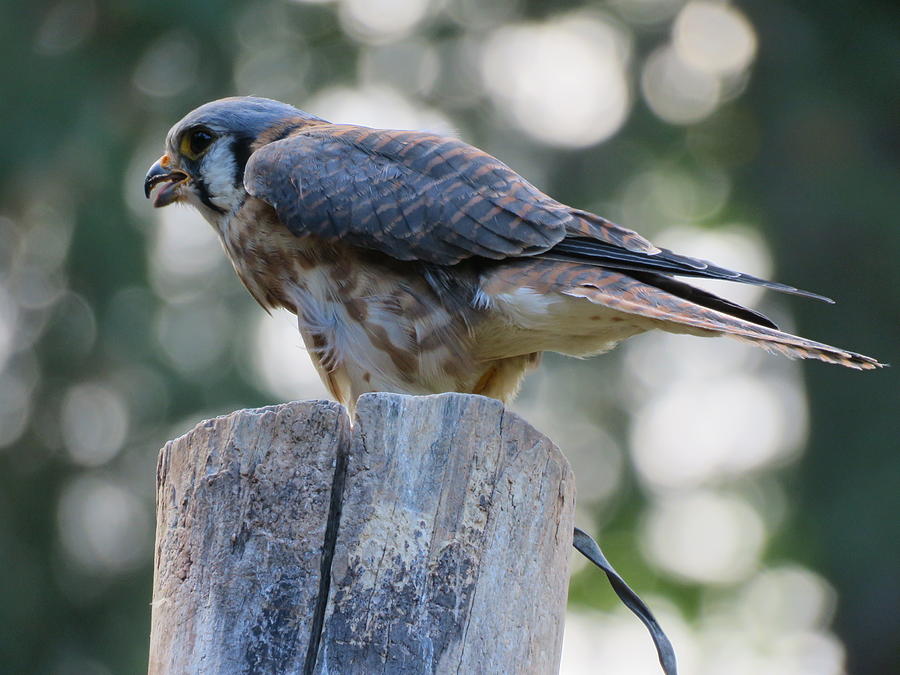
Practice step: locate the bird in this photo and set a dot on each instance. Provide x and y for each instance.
(418, 264)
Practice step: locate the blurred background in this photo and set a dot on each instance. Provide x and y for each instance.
(752, 500)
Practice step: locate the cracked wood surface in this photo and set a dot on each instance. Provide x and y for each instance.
(450, 533)
(241, 507)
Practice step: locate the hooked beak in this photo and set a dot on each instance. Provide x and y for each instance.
(161, 173)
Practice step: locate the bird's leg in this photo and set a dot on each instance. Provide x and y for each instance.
(590, 549)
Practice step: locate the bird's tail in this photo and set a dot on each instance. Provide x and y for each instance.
(677, 307)
(796, 347)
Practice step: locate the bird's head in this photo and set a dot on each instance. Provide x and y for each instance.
(207, 150)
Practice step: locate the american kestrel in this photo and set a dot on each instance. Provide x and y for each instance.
(418, 264)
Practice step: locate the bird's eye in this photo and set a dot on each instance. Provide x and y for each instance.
(196, 141)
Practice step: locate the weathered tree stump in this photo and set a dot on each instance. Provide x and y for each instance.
(431, 537)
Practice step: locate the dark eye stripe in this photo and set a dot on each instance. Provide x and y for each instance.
(240, 148)
(203, 193)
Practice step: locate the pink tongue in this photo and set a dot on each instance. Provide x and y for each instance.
(165, 196)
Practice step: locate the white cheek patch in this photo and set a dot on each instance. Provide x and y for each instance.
(218, 170)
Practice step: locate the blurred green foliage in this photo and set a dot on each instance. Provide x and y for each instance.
(812, 150)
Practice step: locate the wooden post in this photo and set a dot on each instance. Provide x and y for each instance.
(431, 537)
(242, 505)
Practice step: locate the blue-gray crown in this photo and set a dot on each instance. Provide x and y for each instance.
(246, 115)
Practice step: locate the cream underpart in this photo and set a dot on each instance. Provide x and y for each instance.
(553, 322)
(526, 307)
(347, 356)
(348, 352)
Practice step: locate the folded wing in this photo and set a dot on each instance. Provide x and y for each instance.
(418, 196)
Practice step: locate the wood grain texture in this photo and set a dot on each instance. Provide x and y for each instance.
(242, 506)
(452, 553)
(450, 533)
